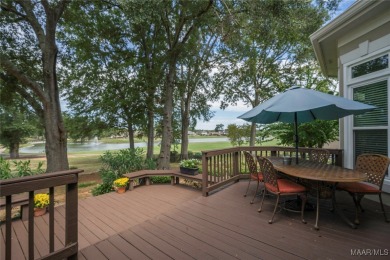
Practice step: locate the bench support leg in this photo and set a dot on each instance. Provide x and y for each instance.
(147, 181)
(131, 185)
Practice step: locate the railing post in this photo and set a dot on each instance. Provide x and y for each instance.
(71, 224)
(236, 163)
(205, 174)
(339, 158)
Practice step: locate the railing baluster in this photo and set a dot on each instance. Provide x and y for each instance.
(71, 223)
(51, 219)
(31, 225)
(8, 220)
(30, 184)
(223, 165)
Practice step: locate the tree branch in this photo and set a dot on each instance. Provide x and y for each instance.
(33, 21)
(11, 69)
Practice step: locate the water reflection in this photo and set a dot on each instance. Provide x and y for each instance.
(96, 146)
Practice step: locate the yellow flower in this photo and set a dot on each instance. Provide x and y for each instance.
(121, 182)
(41, 200)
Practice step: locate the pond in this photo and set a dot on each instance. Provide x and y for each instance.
(97, 146)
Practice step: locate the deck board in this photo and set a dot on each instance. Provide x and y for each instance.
(176, 222)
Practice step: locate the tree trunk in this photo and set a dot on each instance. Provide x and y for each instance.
(252, 141)
(14, 151)
(150, 145)
(56, 139)
(185, 124)
(131, 135)
(47, 93)
(166, 139)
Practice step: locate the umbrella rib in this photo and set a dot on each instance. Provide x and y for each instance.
(311, 112)
(277, 119)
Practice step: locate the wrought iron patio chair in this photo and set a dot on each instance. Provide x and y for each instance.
(254, 173)
(375, 166)
(325, 189)
(279, 187)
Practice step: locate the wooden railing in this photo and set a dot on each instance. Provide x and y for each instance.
(45, 181)
(219, 167)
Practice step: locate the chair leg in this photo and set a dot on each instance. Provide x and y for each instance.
(262, 200)
(276, 206)
(257, 188)
(304, 199)
(359, 199)
(383, 209)
(355, 200)
(249, 183)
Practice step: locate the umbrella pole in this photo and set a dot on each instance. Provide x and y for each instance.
(296, 137)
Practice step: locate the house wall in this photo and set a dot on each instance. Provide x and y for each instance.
(364, 43)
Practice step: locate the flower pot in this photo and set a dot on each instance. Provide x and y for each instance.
(189, 171)
(39, 211)
(120, 190)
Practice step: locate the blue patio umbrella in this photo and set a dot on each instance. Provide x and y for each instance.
(299, 105)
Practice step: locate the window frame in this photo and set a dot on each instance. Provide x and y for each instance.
(349, 85)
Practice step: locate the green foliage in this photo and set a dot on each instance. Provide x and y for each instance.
(81, 128)
(21, 169)
(123, 161)
(160, 179)
(5, 169)
(115, 164)
(197, 156)
(102, 189)
(219, 127)
(313, 134)
(86, 184)
(150, 164)
(190, 163)
(238, 134)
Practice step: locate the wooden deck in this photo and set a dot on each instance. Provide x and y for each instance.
(175, 222)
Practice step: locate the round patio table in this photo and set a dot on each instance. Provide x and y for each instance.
(321, 173)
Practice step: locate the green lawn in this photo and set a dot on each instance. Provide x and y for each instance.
(89, 161)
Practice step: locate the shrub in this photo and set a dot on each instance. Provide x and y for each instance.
(101, 189)
(115, 164)
(160, 179)
(22, 168)
(197, 156)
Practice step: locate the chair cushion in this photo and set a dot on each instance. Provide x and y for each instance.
(258, 176)
(358, 187)
(286, 186)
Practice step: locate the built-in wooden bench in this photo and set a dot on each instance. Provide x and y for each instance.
(174, 174)
(18, 200)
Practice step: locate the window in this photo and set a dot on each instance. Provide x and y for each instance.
(371, 141)
(377, 64)
(370, 129)
(376, 95)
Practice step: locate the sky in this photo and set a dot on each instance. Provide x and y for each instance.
(230, 114)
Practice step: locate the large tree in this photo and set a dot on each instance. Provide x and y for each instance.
(115, 73)
(29, 53)
(18, 121)
(270, 40)
(180, 20)
(194, 80)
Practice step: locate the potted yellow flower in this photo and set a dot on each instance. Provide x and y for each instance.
(120, 184)
(41, 201)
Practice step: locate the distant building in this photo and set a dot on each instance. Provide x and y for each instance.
(191, 133)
